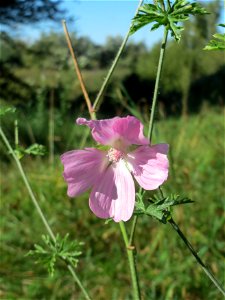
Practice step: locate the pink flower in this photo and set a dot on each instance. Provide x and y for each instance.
(109, 171)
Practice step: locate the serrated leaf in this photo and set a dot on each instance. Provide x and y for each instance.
(160, 208)
(139, 204)
(154, 211)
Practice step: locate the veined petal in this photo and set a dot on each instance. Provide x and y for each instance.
(82, 168)
(124, 205)
(131, 130)
(102, 130)
(116, 132)
(149, 165)
(103, 194)
(113, 196)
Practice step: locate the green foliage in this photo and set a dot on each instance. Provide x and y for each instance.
(6, 109)
(35, 149)
(171, 16)
(159, 208)
(196, 167)
(218, 43)
(60, 248)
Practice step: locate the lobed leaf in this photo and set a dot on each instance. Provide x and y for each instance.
(61, 248)
(169, 17)
(36, 149)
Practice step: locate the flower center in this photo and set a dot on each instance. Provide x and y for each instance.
(114, 155)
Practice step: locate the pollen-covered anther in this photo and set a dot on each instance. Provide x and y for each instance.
(114, 155)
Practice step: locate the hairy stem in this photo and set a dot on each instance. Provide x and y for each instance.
(97, 101)
(156, 89)
(198, 259)
(79, 75)
(39, 211)
(132, 264)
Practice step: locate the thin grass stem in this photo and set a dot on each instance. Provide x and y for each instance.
(79, 74)
(156, 89)
(98, 99)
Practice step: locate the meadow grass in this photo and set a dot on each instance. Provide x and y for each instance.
(167, 270)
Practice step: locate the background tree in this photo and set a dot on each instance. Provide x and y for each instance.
(19, 11)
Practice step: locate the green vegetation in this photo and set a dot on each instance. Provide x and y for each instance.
(167, 271)
(38, 79)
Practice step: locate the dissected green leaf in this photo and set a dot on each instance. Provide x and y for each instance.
(159, 208)
(48, 254)
(218, 43)
(171, 17)
(36, 149)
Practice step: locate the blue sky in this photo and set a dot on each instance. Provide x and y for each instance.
(96, 19)
(99, 19)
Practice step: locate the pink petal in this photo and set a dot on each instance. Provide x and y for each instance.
(117, 131)
(149, 165)
(82, 168)
(113, 196)
(102, 130)
(131, 130)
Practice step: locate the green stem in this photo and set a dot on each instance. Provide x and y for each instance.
(154, 101)
(35, 202)
(105, 82)
(77, 280)
(98, 99)
(198, 259)
(131, 240)
(16, 133)
(193, 252)
(156, 89)
(131, 260)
